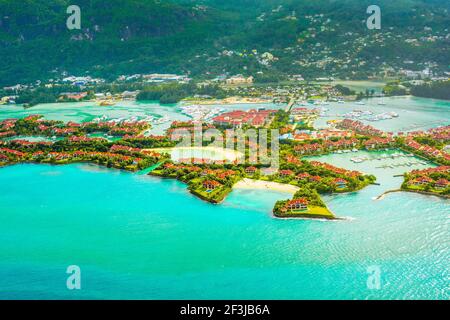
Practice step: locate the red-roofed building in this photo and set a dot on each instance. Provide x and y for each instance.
(297, 204)
(286, 173)
(210, 185)
(238, 118)
(340, 183)
(441, 184)
(302, 176)
(422, 180)
(250, 170)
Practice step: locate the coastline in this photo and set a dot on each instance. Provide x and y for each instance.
(226, 101)
(444, 196)
(266, 185)
(228, 154)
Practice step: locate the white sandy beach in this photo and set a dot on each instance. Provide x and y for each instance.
(214, 153)
(265, 185)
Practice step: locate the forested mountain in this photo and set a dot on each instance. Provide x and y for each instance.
(206, 38)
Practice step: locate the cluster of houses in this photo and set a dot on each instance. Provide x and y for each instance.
(7, 154)
(324, 134)
(6, 134)
(339, 183)
(378, 142)
(56, 128)
(428, 150)
(204, 161)
(422, 178)
(77, 96)
(303, 176)
(238, 118)
(6, 128)
(29, 144)
(348, 173)
(83, 155)
(81, 139)
(203, 172)
(214, 178)
(190, 126)
(329, 145)
(361, 128)
(302, 114)
(440, 134)
(239, 80)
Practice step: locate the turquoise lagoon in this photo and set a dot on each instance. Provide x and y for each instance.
(140, 237)
(414, 113)
(88, 111)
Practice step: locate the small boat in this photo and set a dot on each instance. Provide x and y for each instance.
(106, 103)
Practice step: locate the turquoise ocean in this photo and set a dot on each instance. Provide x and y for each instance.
(140, 237)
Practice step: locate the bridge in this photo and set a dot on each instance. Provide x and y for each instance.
(290, 105)
(150, 169)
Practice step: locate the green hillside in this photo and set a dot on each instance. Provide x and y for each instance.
(209, 37)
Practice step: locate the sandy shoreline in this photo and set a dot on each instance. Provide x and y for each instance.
(214, 153)
(266, 185)
(227, 101)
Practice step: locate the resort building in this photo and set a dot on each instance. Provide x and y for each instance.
(77, 96)
(337, 170)
(239, 79)
(340, 183)
(286, 173)
(300, 204)
(327, 134)
(429, 151)
(420, 181)
(441, 184)
(315, 178)
(360, 128)
(377, 142)
(238, 118)
(211, 185)
(119, 148)
(250, 170)
(302, 176)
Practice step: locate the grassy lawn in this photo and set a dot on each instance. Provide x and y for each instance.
(312, 212)
(214, 196)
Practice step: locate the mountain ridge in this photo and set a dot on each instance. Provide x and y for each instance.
(182, 36)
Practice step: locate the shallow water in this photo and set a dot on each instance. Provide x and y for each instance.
(143, 237)
(414, 113)
(138, 237)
